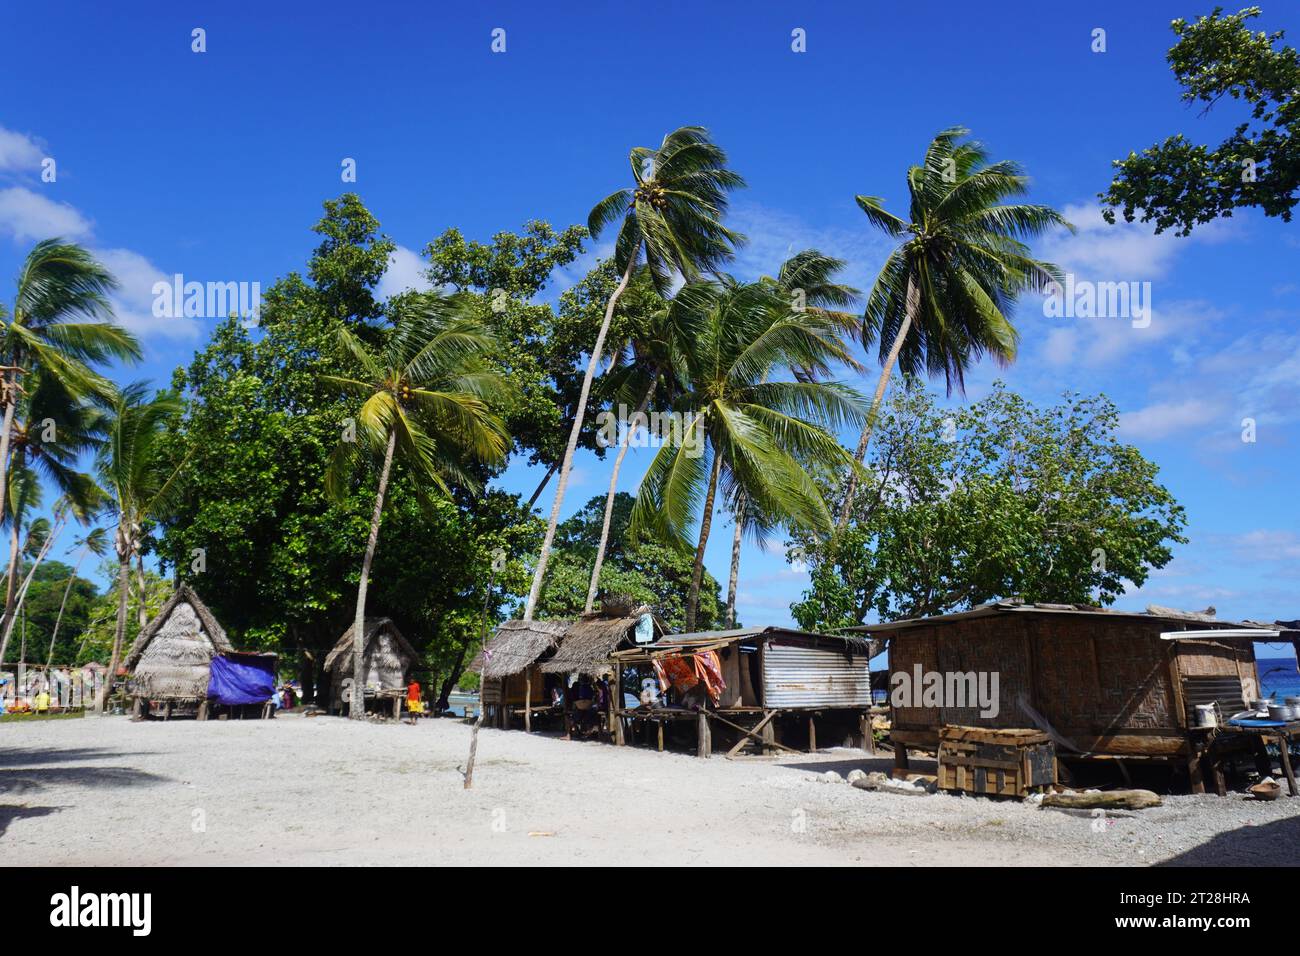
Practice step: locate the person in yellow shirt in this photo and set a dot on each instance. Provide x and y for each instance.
(42, 702)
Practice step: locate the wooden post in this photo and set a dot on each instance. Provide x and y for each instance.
(616, 705)
(528, 699)
(1284, 746)
(900, 757)
(812, 735)
(769, 737)
(703, 743)
(660, 725)
(135, 708)
(868, 738)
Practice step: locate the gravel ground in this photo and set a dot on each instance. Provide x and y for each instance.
(324, 790)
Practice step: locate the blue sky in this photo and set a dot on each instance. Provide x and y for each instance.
(214, 165)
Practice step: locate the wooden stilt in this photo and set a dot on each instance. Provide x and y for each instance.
(660, 725)
(812, 735)
(1284, 746)
(703, 745)
(528, 701)
(900, 756)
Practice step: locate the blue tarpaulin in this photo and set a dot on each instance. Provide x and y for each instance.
(242, 678)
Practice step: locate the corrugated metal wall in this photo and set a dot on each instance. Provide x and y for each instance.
(814, 677)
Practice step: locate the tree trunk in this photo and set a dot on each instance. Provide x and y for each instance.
(123, 586)
(851, 482)
(613, 487)
(697, 576)
(54, 636)
(735, 564)
(358, 708)
(21, 593)
(575, 431)
(15, 560)
(541, 486)
(10, 398)
(448, 685)
(142, 616)
(482, 681)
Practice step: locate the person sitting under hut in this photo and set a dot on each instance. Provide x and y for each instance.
(579, 711)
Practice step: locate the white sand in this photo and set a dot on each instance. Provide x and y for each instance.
(327, 791)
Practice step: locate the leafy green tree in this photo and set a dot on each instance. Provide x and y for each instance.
(1180, 184)
(673, 217)
(744, 429)
(996, 500)
(58, 284)
(539, 348)
(648, 572)
(254, 530)
(942, 297)
(423, 396)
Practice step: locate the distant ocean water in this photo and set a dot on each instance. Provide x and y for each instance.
(1279, 677)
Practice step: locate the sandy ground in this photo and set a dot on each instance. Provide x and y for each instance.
(323, 790)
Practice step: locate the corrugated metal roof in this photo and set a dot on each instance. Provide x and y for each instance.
(1152, 613)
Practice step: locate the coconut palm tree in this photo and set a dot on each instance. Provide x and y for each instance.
(137, 483)
(425, 396)
(49, 436)
(806, 283)
(94, 541)
(941, 300)
(672, 218)
(744, 429)
(58, 284)
(643, 370)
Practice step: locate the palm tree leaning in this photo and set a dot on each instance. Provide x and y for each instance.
(138, 486)
(942, 297)
(645, 363)
(425, 398)
(95, 542)
(61, 324)
(671, 216)
(743, 431)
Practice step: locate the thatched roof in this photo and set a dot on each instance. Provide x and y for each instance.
(172, 655)
(342, 651)
(184, 594)
(516, 645)
(587, 644)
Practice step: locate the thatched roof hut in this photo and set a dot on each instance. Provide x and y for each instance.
(172, 656)
(386, 658)
(517, 645)
(588, 643)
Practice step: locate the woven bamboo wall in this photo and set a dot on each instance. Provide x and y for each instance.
(1106, 684)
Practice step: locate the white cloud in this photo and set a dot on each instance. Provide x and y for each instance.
(1122, 252)
(775, 235)
(1094, 342)
(405, 271)
(27, 217)
(133, 301)
(19, 153)
(1165, 418)
(1220, 385)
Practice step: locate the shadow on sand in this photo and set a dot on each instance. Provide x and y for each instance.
(1270, 844)
(11, 812)
(26, 770)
